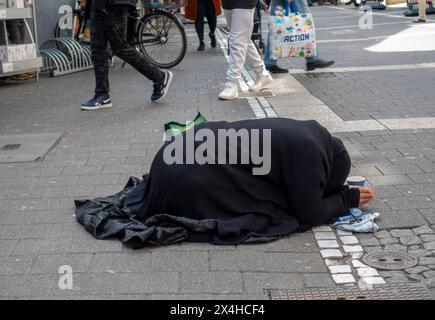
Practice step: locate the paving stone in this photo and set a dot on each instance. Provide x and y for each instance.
(419, 253)
(322, 229)
(369, 242)
(427, 261)
(372, 280)
(395, 248)
(344, 233)
(374, 249)
(391, 274)
(386, 241)
(179, 261)
(429, 282)
(414, 247)
(351, 249)
(415, 277)
(256, 282)
(331, 253)
(343, 278)
(367, 272)
(427, 237)
(89, 284)
(394, 280)
(331, 262)
(349, 240)
(358, 264)
(318, 280)
(50, 264)
(416, 270)
(147, 283)
(340, 269)
(217, 282)
(15, 265)
(400, 218)
(423, 230)
(295, 262)
(328, 244)
(357, 255)
(237, 261)
(382, 234)
(136, 261)
(409, 240)
(429, 245)
(6, 246)
(298, 242)
(325, 236)
(401, 233)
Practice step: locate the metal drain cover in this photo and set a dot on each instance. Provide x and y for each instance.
(390, 260)
(400, 291)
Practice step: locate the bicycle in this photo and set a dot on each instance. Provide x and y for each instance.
(159, 34)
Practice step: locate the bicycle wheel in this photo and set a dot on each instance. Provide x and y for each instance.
(162, 39)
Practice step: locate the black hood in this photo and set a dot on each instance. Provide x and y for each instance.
(341, 165)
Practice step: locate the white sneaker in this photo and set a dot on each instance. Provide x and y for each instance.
(262, 82)
(230, 92)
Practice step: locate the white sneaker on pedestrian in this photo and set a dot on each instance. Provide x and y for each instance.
(230, 92)
(262, 82)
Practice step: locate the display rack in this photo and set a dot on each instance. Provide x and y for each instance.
(21, 66)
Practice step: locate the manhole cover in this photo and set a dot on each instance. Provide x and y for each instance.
(400, 291)
(390, 260)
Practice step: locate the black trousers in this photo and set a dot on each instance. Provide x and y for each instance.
(111, 27)
(16, 31)
(205, 8)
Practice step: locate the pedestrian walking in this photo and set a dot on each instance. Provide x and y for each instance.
(240, 20)
(312, 63)
(421, 12)
(109, 19)
(197, 10)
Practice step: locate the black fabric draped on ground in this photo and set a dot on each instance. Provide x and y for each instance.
(226, 204)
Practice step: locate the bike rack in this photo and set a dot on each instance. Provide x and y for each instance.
(64, 56)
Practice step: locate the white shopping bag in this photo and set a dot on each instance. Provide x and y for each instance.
(292, 36)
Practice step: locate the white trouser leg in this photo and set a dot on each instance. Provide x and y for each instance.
(242, 49)
(422, 9)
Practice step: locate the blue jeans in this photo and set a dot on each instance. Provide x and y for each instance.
(302, 7)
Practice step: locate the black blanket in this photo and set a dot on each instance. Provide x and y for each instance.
(226, 203)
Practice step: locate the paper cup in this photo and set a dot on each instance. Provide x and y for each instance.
(356, 181)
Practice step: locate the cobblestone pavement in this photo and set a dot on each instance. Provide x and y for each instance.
(99, 151)
(397, 163)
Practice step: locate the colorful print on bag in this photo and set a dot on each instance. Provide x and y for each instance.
(292, 36)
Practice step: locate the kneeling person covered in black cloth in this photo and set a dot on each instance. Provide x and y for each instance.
(109, 21)
(226, 203)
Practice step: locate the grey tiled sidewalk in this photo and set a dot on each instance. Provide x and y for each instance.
(99, 152)
(97, 155)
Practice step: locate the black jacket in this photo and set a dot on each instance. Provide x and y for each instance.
(238, 4)
(104, 4)
(226, 204)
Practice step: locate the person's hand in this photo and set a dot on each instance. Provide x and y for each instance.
(366, 195)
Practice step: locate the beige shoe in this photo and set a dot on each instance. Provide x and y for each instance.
(262, 82)
(420, 20)
(230, 92)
